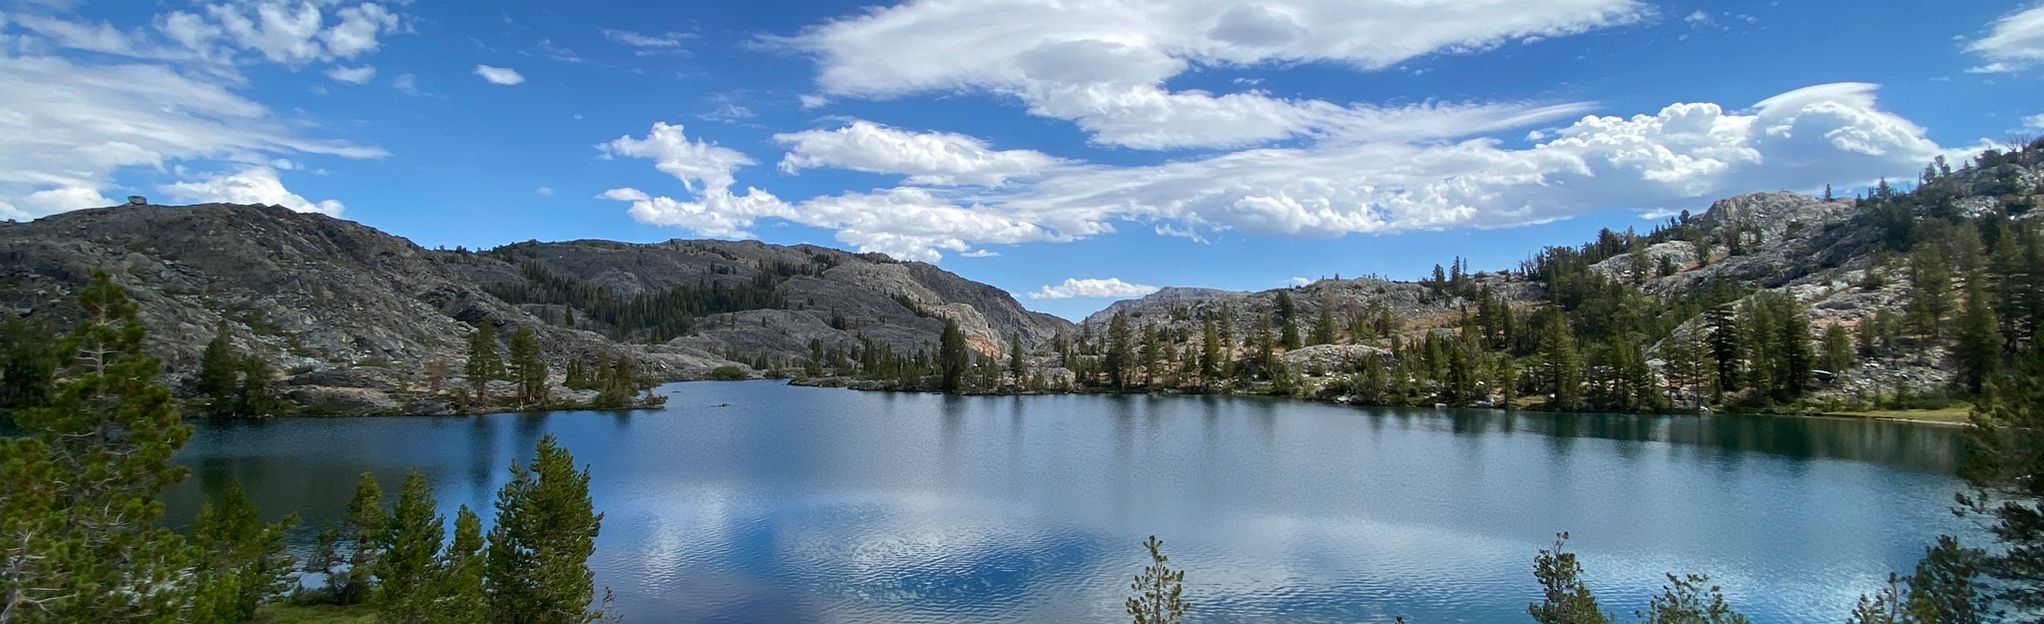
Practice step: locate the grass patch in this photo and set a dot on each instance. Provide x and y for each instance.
(284, 613)
(1954, 413)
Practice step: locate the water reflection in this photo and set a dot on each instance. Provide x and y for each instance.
(801, 504)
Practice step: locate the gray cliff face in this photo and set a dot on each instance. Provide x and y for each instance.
(353, 318)
(900, 304)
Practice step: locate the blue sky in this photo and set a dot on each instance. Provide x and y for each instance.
(1069, 155)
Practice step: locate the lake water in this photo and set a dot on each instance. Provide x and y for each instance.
(795, 504)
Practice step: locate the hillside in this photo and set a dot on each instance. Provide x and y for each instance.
(1878, 288)
(360, 321)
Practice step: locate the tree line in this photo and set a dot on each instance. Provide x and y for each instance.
(80, 509)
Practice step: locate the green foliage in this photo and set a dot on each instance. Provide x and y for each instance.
(218, 369)
(1159, 590)
(725, 373)
(1565, 599)
(655, 316)
(1689, 599)
(242, 562)
(364, 530)
(1837, 348)
(2004, 464)
(527, 370)
(952, 357)
(537, 564)
(28, 358)
(409, 555)
(484, 364)
(1561, 371)
(78, 493)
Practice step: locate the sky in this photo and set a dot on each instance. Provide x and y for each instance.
(1071, 152)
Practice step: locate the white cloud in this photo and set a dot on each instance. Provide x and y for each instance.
(1297, 281)
(251, 185)
(978, 253)
(2034, 122)
(908, 223)
(1093, 288)
(1685, 155)
(665, 43)
(812, 101)
(352, 75)
(2013, 43)
(927, 158)
(544, 191)
(1104, 64)
(81, 123)
(499, 75)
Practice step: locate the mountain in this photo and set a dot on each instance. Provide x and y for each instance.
(357, 320)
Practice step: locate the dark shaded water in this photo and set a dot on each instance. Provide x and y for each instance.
(821, 505)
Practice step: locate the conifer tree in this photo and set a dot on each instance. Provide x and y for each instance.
(537, 564)
(410, 556)
(1838, 348)
(1976, 340)
(1561, 368)
(1930, 291)
(218, 368)
(1016, 364)
(483, 362)
(527, 369)
(363, 531)
(79, 490)
(1209, 353)
(243, 563)
(1159, 591)
(1567, 600)
(1726, 347)
(28, 359)
(1120, 352)
(253, 398)
(1324, 329)
(2004, 465)
(1288, 321)
(952, 358)
(458, 582)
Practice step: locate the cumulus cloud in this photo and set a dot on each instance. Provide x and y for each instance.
(2014, 42)
(1684, 155)
(62, 141)
(909, 223)
(1093, 288)
(927, 158)
(499, 75)
(250, 185)
(1103, 65)
(2034, 122)
(352, 75)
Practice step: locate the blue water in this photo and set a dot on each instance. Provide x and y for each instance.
(821, 505)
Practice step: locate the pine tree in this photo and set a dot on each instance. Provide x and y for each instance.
(1324, 329)
(528, 371)
(483, 362)
(79, 488)
(28, 359)
(1016, 364)
(253, 398)
(410, 550)
(1930, 291)
(1838, 348)
(1209, 354)
(537, 563)
(458, 583)
(1159, 591)
(218, 368)
(1976, 343)
(243, 562)
(952, 358)
(1566, 599)
(1561, 367)
(1726, 348)
(363, 530)
(1120, 352)
(1288, 321)
(2004, 465)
